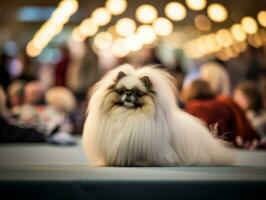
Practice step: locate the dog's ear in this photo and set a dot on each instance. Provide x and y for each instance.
(120, 75)
(146, 81)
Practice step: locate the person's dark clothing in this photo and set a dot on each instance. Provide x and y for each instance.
(12, 134)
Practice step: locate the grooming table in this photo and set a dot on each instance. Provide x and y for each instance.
(42, 171)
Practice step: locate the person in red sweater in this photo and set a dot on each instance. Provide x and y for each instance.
(219, 113)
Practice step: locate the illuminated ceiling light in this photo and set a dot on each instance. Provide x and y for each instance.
(103, 40)
(249, 25)
(101, 16)
(116, 7)
(222, 55)
(175, 11)
(39, 42)
(146, 13)
(191, 52)
(69, 6)
(217, 12)
(262, 18)
(243, 46)
(88, 27)
(77, 36)
(239, 46)
(211, 44)
(133, 42)
(238, 33)
(202, 23)
(200, 46)
(196, 4)
(125, 26)
(224, 38)
(263, 35)
(231, 52)
(32, 50)
(163, 26)
(53, 26)
(59, 17)
(147, 34)
(119, 49)
(255, 40)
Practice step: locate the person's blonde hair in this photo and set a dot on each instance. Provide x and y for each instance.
(61, 98)
(217, 76)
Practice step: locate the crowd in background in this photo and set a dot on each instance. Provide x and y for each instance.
(42, 102)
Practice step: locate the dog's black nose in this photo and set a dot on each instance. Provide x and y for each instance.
(128, 97)
(128, 93)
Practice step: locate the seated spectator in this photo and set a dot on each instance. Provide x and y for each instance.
(63, 100)
(35, 114)
(249, 99)
(201, 102)
(213, 108)
(15, 95)
(12, 133)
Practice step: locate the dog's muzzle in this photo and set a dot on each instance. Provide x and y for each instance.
(129, 99)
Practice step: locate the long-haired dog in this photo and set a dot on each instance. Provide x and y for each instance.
(133, 120)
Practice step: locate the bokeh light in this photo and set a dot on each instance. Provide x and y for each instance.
(238, 33)
(119, 49)
(196, 4)
(88, 27)
(77, 35)
(125, 26)
(68, 6)
(217, 12)
(103, 40)
(202, 23)
(147, 34)
(116, 7)
(146, 13)
(249, 25)
(262, 18)
(101, 16)
(224, 38)
(133, 42)
(163, 26)
(32, 50)
(175, 11)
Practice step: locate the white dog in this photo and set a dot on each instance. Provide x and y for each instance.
(133, 120)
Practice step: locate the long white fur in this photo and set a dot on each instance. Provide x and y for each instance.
(161, 136)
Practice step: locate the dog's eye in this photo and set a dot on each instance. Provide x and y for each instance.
(120, 91)
(138, 93)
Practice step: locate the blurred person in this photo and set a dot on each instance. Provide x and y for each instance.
(63, 100)
(200, 101)
(29, 69)
(9, 131)
(34, 113)
(83, 70)
(214, 73)
(217, 76)
(247, 96)
(16, 95)
(34, 93)
(62, 66)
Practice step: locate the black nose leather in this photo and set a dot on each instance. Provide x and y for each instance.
(128, 93)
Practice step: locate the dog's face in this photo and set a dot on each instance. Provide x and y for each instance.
(130, 92)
